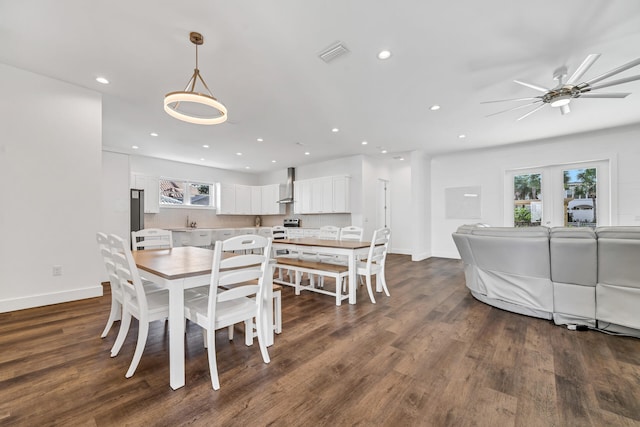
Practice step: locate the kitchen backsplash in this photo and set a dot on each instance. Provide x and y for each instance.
(177, 218)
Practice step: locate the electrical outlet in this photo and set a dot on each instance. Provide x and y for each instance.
(57, 270)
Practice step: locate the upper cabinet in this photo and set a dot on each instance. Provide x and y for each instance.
(322, 195)
(151, 187)
(243, 200)
(225, 199)
(270, 194)
(237, 199)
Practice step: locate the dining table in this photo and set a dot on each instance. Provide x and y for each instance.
(186, 267)
(352, 249)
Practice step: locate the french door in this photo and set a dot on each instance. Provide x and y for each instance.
(569, 195)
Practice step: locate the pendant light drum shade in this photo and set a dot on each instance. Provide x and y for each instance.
(208, 110)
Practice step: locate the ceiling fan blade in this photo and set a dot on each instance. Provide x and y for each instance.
(605, 95)
(564, 109)
(586, 64)
(531, 112)
(610, 73)
(514, 108)
(514, 99)
(614, 82)
(532, 86)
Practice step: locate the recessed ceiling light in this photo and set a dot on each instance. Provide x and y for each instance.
(364, 142)
(306, 153)
(135, 147)
(273, 161)
(102, 80)
(462, 136)
(247, 167)
(384, 54)
(205, 146)
(238, 154)
(202, 159)
(384, 151)
(334, 130)
(153, 134)
(401, 158)
(259, 139)
(434, 107)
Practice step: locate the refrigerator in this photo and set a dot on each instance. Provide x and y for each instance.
(137, 209)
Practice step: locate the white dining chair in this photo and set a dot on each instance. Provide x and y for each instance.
(117, 298)
(146, 307)
(151, 238)
(280, 232)
(234, 280)
(375, 262)
(351, 232)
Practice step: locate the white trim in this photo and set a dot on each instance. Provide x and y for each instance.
(420, 257)
(32, 301)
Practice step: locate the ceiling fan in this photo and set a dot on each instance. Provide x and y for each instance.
(561, 95)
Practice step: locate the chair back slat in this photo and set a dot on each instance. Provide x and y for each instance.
(379, 246)
(128, 274)
(329, 232)
(151, 238)
(239, 271)
(351, 232)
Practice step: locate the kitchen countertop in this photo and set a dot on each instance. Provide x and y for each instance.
(213, 228)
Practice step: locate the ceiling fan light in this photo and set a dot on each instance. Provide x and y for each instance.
(172, 100)
(561, 100)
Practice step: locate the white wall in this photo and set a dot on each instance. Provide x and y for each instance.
(401, 215)
(177, 170)
(420, 205)
(373, 170)
(115, 194)
(50, 161)
(486, 168)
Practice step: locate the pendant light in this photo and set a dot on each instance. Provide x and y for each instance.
(172, 100)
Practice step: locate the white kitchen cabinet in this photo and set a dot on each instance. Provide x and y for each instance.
(180, 238)
(322, 195)
(256, 201)
(243, 199)
(151, 187)
(270, 194)
(226, 199)
(341, 194)
(297, 197)
(237, 199)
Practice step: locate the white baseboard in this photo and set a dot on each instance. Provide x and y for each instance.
(420, 257)
(452, 255)
(32, 301)
(400, 251)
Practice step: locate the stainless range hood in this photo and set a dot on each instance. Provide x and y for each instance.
(288, 196)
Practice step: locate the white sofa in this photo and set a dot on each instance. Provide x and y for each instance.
(575, 276)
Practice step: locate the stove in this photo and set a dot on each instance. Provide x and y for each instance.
(291, 222)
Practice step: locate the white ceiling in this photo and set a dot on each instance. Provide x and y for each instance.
(260, 59)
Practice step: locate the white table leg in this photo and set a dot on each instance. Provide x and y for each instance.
(352, 277)
(267, 317)
(176, 335)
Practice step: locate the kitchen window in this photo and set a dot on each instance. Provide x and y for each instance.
(180, 193)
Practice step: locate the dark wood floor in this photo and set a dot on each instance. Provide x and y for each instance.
(430, 355)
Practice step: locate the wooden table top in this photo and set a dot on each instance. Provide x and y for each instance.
(175, 263)
(310, 241)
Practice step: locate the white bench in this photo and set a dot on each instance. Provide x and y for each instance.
(338, 272)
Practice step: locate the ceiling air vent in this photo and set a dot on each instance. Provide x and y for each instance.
(332, 52)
